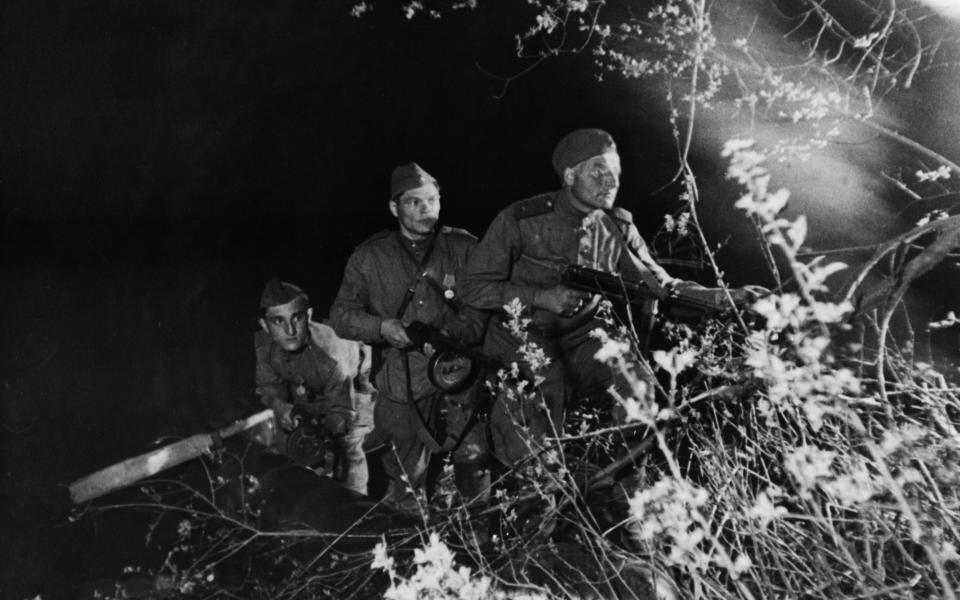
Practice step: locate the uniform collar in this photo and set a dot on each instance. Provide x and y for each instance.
(416, 245)
(564, 206)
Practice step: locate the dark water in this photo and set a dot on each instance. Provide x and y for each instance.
(113, 337)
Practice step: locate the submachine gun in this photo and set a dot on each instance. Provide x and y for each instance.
(310, 443)
(453, 366)
(632, 291)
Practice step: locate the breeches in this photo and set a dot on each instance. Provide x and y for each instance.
(414, 437)
(356, 475)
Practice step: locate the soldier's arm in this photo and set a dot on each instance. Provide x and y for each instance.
(486, 278)
(272, 390)
(468, 325)
(337, 402)
(350, 314)
(639, 258)
(638, 263)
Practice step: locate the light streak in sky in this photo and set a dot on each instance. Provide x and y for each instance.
(948, 8)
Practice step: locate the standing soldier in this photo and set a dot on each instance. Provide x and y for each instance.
(391, 280)
(293, 370)
(522, 256)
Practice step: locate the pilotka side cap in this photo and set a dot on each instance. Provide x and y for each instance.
(278, 292)
(408, 177)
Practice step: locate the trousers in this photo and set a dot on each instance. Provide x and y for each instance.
(519, 423)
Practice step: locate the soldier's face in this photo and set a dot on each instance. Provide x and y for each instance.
(287, 324)
(417, 210)
(595, 182)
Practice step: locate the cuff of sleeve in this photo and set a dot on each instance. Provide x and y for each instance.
(373, 332)
(526, 296)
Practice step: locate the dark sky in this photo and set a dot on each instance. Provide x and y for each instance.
(161, 159)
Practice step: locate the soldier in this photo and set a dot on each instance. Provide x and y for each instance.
(521, 257)
(294, 370)
(391, 280)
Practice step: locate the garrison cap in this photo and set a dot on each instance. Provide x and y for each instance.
(407, 177)
(279, 292)
(579, 145)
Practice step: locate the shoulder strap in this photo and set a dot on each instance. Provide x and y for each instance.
(532, 207)
(412, 288)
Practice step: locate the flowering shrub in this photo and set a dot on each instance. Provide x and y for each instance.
(437, 577)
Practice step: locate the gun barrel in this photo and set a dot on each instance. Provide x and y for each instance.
(627, 290)
(598, 282)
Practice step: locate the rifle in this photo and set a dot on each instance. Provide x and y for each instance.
(633, 291)
(134, 469)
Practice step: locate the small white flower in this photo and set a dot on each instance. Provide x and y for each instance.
(808, 465)
(765, 510)
(546, 22)
(359, 9)
(736, 145)
(675, 361)
(610, 349)
(865, 41)
(410, 10)
(740, 565)
(380, 558)
(942, 172)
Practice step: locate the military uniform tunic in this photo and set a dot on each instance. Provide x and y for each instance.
(530, 242)
(385, 274)
(525, 250)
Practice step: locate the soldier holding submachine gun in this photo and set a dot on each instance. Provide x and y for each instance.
(522, 257)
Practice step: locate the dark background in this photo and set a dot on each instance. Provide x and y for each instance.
(160, 160)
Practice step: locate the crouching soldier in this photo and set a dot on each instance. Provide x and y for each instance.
(295, 376)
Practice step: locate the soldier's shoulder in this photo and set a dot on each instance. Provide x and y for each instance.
(532, 207)
(261, 338)
(262, 343)
(621, 214)
(375, 239)
(373, 243)
(457, 233)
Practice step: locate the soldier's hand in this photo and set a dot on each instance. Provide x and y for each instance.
(561, 300)
(748, 294)
(282, 411)
(336, 424)
(393, 331)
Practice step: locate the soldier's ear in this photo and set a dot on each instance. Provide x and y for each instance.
(263, 325)
(393, 208)
(310, 314)
(568, 176)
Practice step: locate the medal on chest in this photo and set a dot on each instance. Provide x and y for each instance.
(448, 282)
(300, 390)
